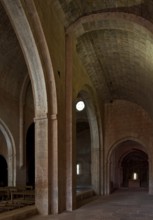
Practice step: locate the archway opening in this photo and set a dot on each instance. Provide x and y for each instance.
(3, 172)
(30, 156)
(135, 169)
(83, 166)
(128, 166)
(31, 63)
(87, 149)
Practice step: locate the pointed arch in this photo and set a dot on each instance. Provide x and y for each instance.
(86, 95)
(41, 74)
(93, 22)
(11, 153)
(109, 154)
(123, 140)
(24, 34)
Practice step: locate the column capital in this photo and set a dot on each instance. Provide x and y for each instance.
(40, 117)
(46, 116)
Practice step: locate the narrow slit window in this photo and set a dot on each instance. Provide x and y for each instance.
(135, 176)
(78, 169)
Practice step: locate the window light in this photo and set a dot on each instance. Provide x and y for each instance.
(135, 176)
(80, 105)
(78, 169)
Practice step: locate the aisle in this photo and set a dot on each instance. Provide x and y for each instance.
(121, 205)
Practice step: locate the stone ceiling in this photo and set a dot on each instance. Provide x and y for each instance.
(114, 39)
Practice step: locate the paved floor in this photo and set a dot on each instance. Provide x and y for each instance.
(121, 205)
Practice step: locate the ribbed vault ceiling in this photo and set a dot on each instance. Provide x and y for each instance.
(118, 55)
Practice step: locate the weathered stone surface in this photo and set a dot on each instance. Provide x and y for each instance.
(54, 52)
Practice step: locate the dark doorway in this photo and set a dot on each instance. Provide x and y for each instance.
(3, 172)
(135, 165)
(30, 155)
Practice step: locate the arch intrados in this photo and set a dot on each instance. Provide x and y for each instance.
(130, 151)
(25, 37)
(86, 97)
(48, 67)
(8, 137)
(95, 22)
(118, 143)
(11, 152)
(91, 114)
(86, 94)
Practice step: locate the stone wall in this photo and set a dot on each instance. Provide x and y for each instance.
(125, 121)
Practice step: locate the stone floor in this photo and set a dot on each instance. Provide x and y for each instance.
(121, 205)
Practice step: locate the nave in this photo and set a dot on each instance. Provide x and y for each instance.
(121, 205)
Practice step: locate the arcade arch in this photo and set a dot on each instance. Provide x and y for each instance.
(9, 153)
(45, 103)
(88, 147)
(128, 164)
(134, 170)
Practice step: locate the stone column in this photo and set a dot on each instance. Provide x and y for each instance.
(150, 176)
(95, 169)
(46, 164)
(70, 151)
(107, 178)
(102, 172)
(41, 165)
(53, 168)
